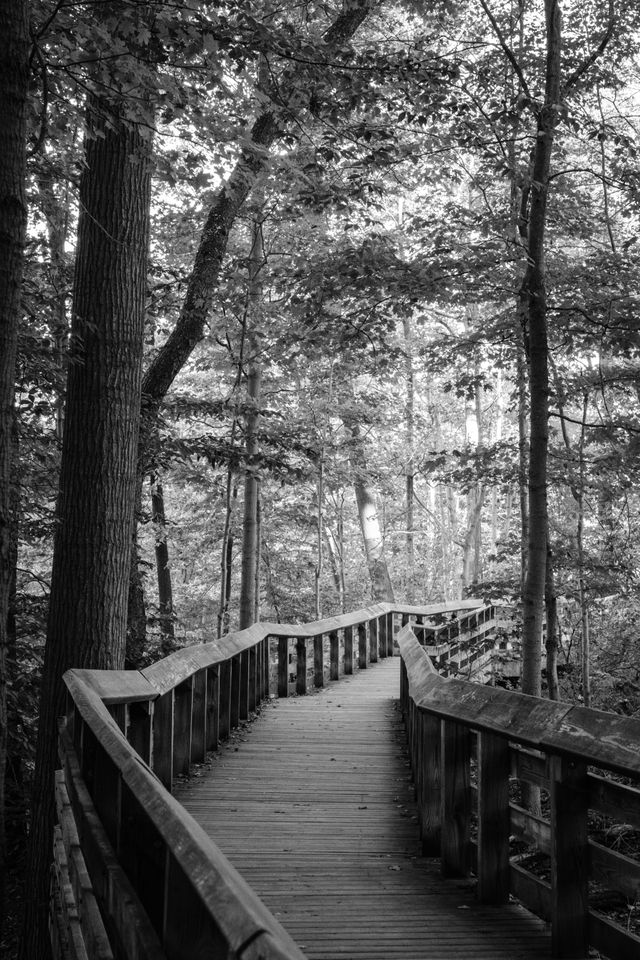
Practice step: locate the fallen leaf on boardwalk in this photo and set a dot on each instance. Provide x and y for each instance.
(394, 867)
(464, 906)
(363, 808)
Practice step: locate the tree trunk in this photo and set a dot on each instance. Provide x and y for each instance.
(163, 569)
(551, 608)
(410, 460)
(14, 77)
(250, 539)
(534, 296)
(96, 501)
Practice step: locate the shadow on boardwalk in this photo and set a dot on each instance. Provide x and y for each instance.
(313, 803)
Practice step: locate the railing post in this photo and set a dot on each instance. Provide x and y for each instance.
(199, 718)
(373, 640)
(494, 820)
(212, 708)
(362, 646)
(162, 756)
(348, 650)
(383, 648)
(243, 692)
(430, 799)
(569, 857)
(390, 620)
(182, 713)
(236, 678)
(139, 728)
(301, 666)
(283, 666)
(253, 679)
(318, 661)
(225, 699)
(455, 804)
(334, 656)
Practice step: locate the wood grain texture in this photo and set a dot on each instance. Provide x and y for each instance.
(313, 803)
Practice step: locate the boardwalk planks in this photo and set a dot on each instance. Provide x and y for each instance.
(313, 803)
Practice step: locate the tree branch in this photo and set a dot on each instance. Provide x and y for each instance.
(508, 52)
(582, 68)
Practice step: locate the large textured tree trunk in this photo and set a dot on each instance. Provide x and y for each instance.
(96, 500)
(534, 295)
(14, 76)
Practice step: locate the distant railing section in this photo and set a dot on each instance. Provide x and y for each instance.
(471, 744)
(135, 877)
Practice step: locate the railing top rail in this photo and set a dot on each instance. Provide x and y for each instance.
(601, 738)
(130, 686)
(239, 913)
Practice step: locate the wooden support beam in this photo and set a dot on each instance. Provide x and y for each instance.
(494, 822)
(212, 708)
(182, 730)
(301, 666)
(283, 666)
(431, 791)
(334, 655)
(162, 756)
(362, 646)
(198, 717)
(373, 640)
(139, 728)
(318, 660)
(225, 700)
(569, 857)
(455, 806)
(348, 650)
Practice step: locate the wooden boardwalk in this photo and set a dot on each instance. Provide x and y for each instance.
(313, 803)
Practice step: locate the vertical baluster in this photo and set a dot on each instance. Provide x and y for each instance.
(236, 675)
(199, 717)
(182, 712)
(253, 678)
(390, 628)
(139, 728)
(494, 820)
(348, 650)
(283, 666)
(569, 857)
(455, 806)
(429, 800)
(318, 661)
(362, 646)
(163, 732)
(224, 672)
(243, 690)
(212, 708)
(301, 666)
(334, 656)
(382, 636)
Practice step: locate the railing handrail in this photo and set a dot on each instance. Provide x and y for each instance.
(121, 725)
(545, 744)
(601, 738)
(130, 686)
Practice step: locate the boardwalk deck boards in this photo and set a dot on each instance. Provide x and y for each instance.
(313, 803)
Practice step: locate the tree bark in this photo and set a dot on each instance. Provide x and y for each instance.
(534, 296)
(163, 569)
(14, 78)
(96, 500)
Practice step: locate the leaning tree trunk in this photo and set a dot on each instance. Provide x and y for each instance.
(96, 500)
(14, 77)
(535, 298)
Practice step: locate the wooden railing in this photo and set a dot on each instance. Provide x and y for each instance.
(471, 745)
(135, 876)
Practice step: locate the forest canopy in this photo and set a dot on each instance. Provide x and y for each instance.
(305, 304)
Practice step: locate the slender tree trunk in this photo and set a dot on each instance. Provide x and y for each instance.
(96, 502)
(226, 552)
(319, 536)
(14, 77)
(250, 540)
(551, 607)
(534, 292)
(163, 568)
(410, 456)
